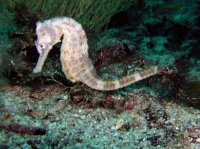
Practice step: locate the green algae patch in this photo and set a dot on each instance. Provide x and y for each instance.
(90, 13)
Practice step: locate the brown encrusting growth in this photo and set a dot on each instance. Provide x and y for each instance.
(76, 64)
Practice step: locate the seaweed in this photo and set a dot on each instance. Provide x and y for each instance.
(91, 14)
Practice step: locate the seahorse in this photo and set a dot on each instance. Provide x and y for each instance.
(76, 64)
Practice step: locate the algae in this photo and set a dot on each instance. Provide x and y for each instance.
(90, 13)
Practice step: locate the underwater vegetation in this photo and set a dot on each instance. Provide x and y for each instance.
(113, 54)
(47, 111)
(90, 13)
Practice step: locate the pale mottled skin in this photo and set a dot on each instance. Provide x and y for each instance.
(76, 64)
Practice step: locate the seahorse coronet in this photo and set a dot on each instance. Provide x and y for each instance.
(76, 64)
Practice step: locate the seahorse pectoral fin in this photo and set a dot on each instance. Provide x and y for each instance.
(41, 60)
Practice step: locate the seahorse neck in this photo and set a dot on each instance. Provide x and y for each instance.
(74, 37)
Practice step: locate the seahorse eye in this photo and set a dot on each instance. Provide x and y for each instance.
(41, 46)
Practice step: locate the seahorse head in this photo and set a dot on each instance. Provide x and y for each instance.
(47, 36)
